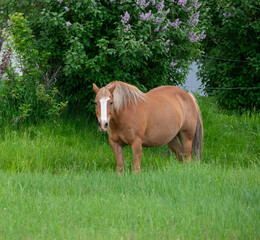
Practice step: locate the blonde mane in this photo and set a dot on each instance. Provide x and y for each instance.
(125, 94)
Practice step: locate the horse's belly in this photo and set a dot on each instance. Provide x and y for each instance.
(158, 137)
(163, 125)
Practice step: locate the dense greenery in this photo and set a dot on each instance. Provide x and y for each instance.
(30, 94)
(232, 47)
(144, 43)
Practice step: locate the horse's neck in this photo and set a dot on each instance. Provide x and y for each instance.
(115, 121)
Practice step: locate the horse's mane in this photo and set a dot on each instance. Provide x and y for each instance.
(125, 94)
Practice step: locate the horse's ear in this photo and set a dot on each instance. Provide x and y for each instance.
(95, 88)
(112, 89)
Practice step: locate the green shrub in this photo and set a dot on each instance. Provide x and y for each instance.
(28, 96)
(96, 41)
(232, 47)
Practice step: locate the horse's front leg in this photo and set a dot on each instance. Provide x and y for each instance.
(137, 152)
(119, 153)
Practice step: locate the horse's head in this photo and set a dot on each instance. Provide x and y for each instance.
(104, 105)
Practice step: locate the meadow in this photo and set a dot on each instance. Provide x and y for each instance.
(60, 182)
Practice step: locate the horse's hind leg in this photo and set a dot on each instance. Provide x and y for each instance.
(176, 147)
(186, 141)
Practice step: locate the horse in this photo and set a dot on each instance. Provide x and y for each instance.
(164, 115)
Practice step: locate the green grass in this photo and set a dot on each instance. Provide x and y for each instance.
(77, 145)
(230, 139)
(60, 182)
(195, 201)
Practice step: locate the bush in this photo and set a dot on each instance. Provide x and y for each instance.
(232, 60)
(145, 43)
(28, 95)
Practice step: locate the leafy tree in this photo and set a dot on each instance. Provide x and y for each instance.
(143, 42)
(230, 70)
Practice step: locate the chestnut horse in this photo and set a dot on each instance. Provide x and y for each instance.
(164, 115)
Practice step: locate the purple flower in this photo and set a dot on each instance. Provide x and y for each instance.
(196, 5)
(160, 6)
(182, 2)
(167, 42)
(203, 35)
(165, 13)
(165, 28)
(176, 23)
(68, 24)
(60, 1)
(167, 49)
(173, 64)
(67, 9)
(142, 3)
(125, 18)
(112, 0)
(128, 26)
(194, 19)
(193, 36)
(146, 16)
(157, 29)
(227, 15)
(9, 23)
(188, 9)
(158, 20)
(152, 2)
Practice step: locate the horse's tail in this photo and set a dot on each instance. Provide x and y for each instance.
(197, 142)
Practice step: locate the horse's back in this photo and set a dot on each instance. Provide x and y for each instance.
(171, 91)
(176, 95)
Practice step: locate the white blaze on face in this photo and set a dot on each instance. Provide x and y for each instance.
(103, 102)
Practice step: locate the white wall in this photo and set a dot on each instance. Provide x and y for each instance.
(13, 59)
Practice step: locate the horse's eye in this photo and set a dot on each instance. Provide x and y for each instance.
(111, 103)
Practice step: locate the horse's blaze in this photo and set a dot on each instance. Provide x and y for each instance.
(104, 121)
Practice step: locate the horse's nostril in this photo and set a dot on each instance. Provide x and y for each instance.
(106, 125)
(99, 124)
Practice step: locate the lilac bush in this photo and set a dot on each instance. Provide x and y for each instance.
(143, 42)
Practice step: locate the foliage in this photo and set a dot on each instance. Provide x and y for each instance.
(146, 43)
(232, 34)
(28, 94)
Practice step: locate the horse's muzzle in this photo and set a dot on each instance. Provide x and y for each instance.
(102, 126)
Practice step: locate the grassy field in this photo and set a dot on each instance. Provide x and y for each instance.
(60, 182)
(182, 202)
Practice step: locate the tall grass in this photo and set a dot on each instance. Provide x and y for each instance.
(77, 145)
(230, 139)
(197, 201)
